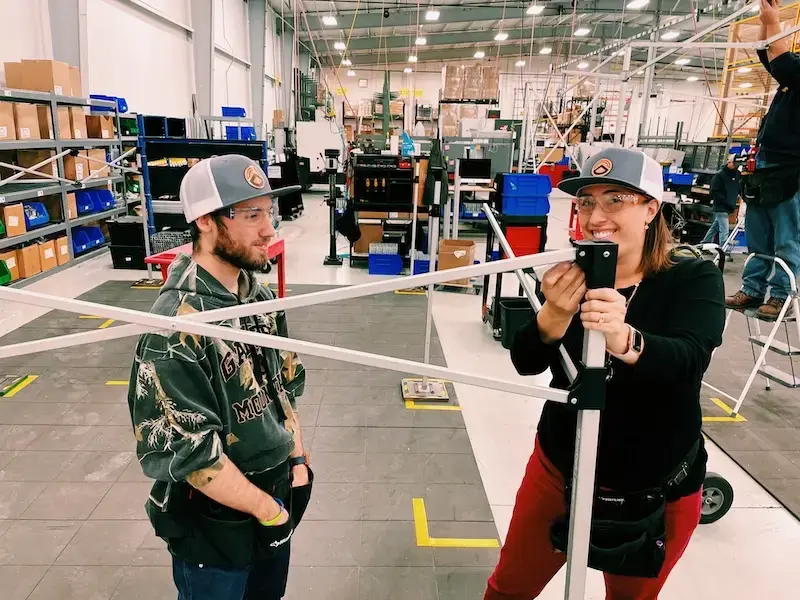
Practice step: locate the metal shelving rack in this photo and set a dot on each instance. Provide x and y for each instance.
(30, 189)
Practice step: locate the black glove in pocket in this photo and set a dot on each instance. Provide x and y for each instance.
(270, 540)
(301, 496)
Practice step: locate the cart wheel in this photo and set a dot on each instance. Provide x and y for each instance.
(496, 334)
(267, 268)
(717, 498)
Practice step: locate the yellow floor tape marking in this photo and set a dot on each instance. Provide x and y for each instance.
(412, 405)
(113, 382)
(89, 317)
(727, 409)
(20, 386)
(425, 540)
(106, 323)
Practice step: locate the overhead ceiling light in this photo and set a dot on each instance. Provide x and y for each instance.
(546, 50)
(432, 15)
(347, 62)
(408, 70)
(413, 58)
(582, 31)
(535, 9)
(670, 35)
(329, 20)
(520, 63)
(339, 46)
(480, 54)
(744, 69)
(636, 4)
(583, 65)
(501, 36)
(420, 41)
(683, 61)
(351, 73)
(745, 85)
(692, 78)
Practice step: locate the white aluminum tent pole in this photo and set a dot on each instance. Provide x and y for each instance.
(530, 292)
(174, 324)
(623, 92)
(760, 45)
(277, 304)
(32, 170)
(567, 148)
(565, 135)
(433, 250)
(686, 43)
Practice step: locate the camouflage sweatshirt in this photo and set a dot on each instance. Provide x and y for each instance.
(194, 398)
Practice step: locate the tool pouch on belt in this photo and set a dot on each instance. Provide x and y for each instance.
(202, 531)
(628, 530)
(770, 186)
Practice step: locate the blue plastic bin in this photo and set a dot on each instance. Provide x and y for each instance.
(86, 238)
(247, 133)
(234, 111)
(84, 201)
(525, 184)
(679, 178)
(526, 206)
(122, 104)
(102, 200)
(385, 264)
(35, 214)
(421, 266)
(232, 132)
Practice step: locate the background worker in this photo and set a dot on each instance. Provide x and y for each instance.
(725, 193)
(772, 225)
(661, 321)
(215, 420)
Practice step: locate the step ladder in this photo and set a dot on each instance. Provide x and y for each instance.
(768, 343)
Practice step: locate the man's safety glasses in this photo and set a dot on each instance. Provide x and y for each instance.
(253, 216)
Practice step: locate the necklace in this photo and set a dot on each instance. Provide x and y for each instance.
(630, 299)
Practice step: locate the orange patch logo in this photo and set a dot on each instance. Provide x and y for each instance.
(602, 167)
(254, 178)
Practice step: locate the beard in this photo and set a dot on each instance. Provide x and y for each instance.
(239, 255)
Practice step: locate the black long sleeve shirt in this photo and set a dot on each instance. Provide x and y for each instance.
(652, 416)
(725, 187)
(779, 135)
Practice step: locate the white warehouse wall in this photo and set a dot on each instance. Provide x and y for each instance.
(231, 32)
(141, 57)
(26, 31)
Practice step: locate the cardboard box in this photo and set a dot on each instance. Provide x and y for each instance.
(370, 234)
(10, 258)
(14, 79)
(29, 158)
(99, 127)
(14, 219)
(72, 206)
(76, 167)
(278, 118)
(26, 119)
(28, 261)
(46, 122)
(77, 121)
(456, 253)
(76, 89)
(47, 255)
(62, 250)
(7, 129)
(98, 154)
(46, 76)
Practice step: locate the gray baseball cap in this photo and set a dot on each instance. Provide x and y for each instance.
(621, 166)
(223, 181)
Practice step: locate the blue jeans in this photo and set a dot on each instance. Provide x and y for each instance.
(774, 231)
(719, 226)
(264, 581)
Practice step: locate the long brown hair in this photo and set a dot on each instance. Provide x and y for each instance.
(657, 246)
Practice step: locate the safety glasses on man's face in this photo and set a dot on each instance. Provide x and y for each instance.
(610, 203)
(253, 216)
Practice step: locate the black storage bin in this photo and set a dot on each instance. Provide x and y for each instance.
(514, 314)
(128, 257)
(126, 231)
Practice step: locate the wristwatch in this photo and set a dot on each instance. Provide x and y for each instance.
(298, 460)
(635, 345)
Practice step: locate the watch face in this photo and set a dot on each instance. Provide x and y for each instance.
(636, 343)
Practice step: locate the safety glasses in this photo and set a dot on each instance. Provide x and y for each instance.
(610, 203)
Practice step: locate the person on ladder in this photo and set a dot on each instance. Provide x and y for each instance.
(662, 321)
(725, 194)
(772, 222)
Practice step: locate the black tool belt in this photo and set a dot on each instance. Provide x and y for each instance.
(770, 186)
(201, 531)
(628, 530)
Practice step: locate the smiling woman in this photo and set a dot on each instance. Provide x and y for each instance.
(662, 320)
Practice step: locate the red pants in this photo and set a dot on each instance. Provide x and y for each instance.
(528, 561)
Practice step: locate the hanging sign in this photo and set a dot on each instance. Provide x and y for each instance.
(405, 92)
(341, 91)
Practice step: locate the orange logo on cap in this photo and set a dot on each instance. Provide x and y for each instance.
(254, 178)
(602, 167)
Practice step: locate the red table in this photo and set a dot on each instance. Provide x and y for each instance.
(275, 250)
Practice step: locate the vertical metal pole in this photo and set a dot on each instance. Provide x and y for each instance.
(433, 250)
(523, 140)
(414, 214)
(623, 91)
